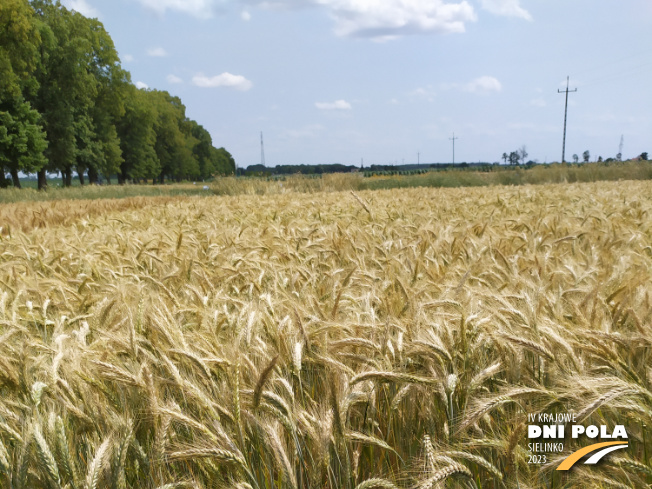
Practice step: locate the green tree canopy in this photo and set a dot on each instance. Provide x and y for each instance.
(224, 162)
(136, 129)
(22, 141)
(66, 104)
(19, 44)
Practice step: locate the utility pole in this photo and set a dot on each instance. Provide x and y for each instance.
(262, 150)
(453, 139)
(567, 91)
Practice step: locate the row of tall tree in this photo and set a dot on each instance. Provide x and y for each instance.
(68, 106)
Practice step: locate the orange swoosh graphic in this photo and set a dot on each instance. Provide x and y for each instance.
(575, 456)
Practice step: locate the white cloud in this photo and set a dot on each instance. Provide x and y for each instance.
(141, 85)
(83, 7)
(337, 105)
(157, 52)
(530, 126)
(282, 4)
(484, 84)
(572, 84)
(387, 19)
(427, 93)
(127, 58)
(309, 131)
(510, 8)
(238, 82)
(537, 102)
(432, 131)
(174, 79)
(246, 16)
(197, 8)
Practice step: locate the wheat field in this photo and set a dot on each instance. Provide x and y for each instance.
(387, 339)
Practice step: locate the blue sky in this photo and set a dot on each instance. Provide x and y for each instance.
(337, 81)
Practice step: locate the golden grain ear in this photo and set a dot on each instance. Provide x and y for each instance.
(288, 338)
(264, 377)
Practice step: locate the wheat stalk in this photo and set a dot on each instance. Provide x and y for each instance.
(283, 339)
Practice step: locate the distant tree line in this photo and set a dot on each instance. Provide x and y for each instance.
(67, 105)
(516, 157)
(586, 156)
(261, 170)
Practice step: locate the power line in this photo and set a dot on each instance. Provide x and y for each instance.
(453, 139)
(567, 91)
(611, 66)
(640, 72)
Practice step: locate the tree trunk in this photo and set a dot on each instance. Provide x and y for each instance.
(42, 180)
(80, 174)
(92, 176)
(3, 179)
(123, 178)
(67, 177)
(14, 177)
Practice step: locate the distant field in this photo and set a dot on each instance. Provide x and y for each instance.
(394, 338)
(91, 192)
(446, 178)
